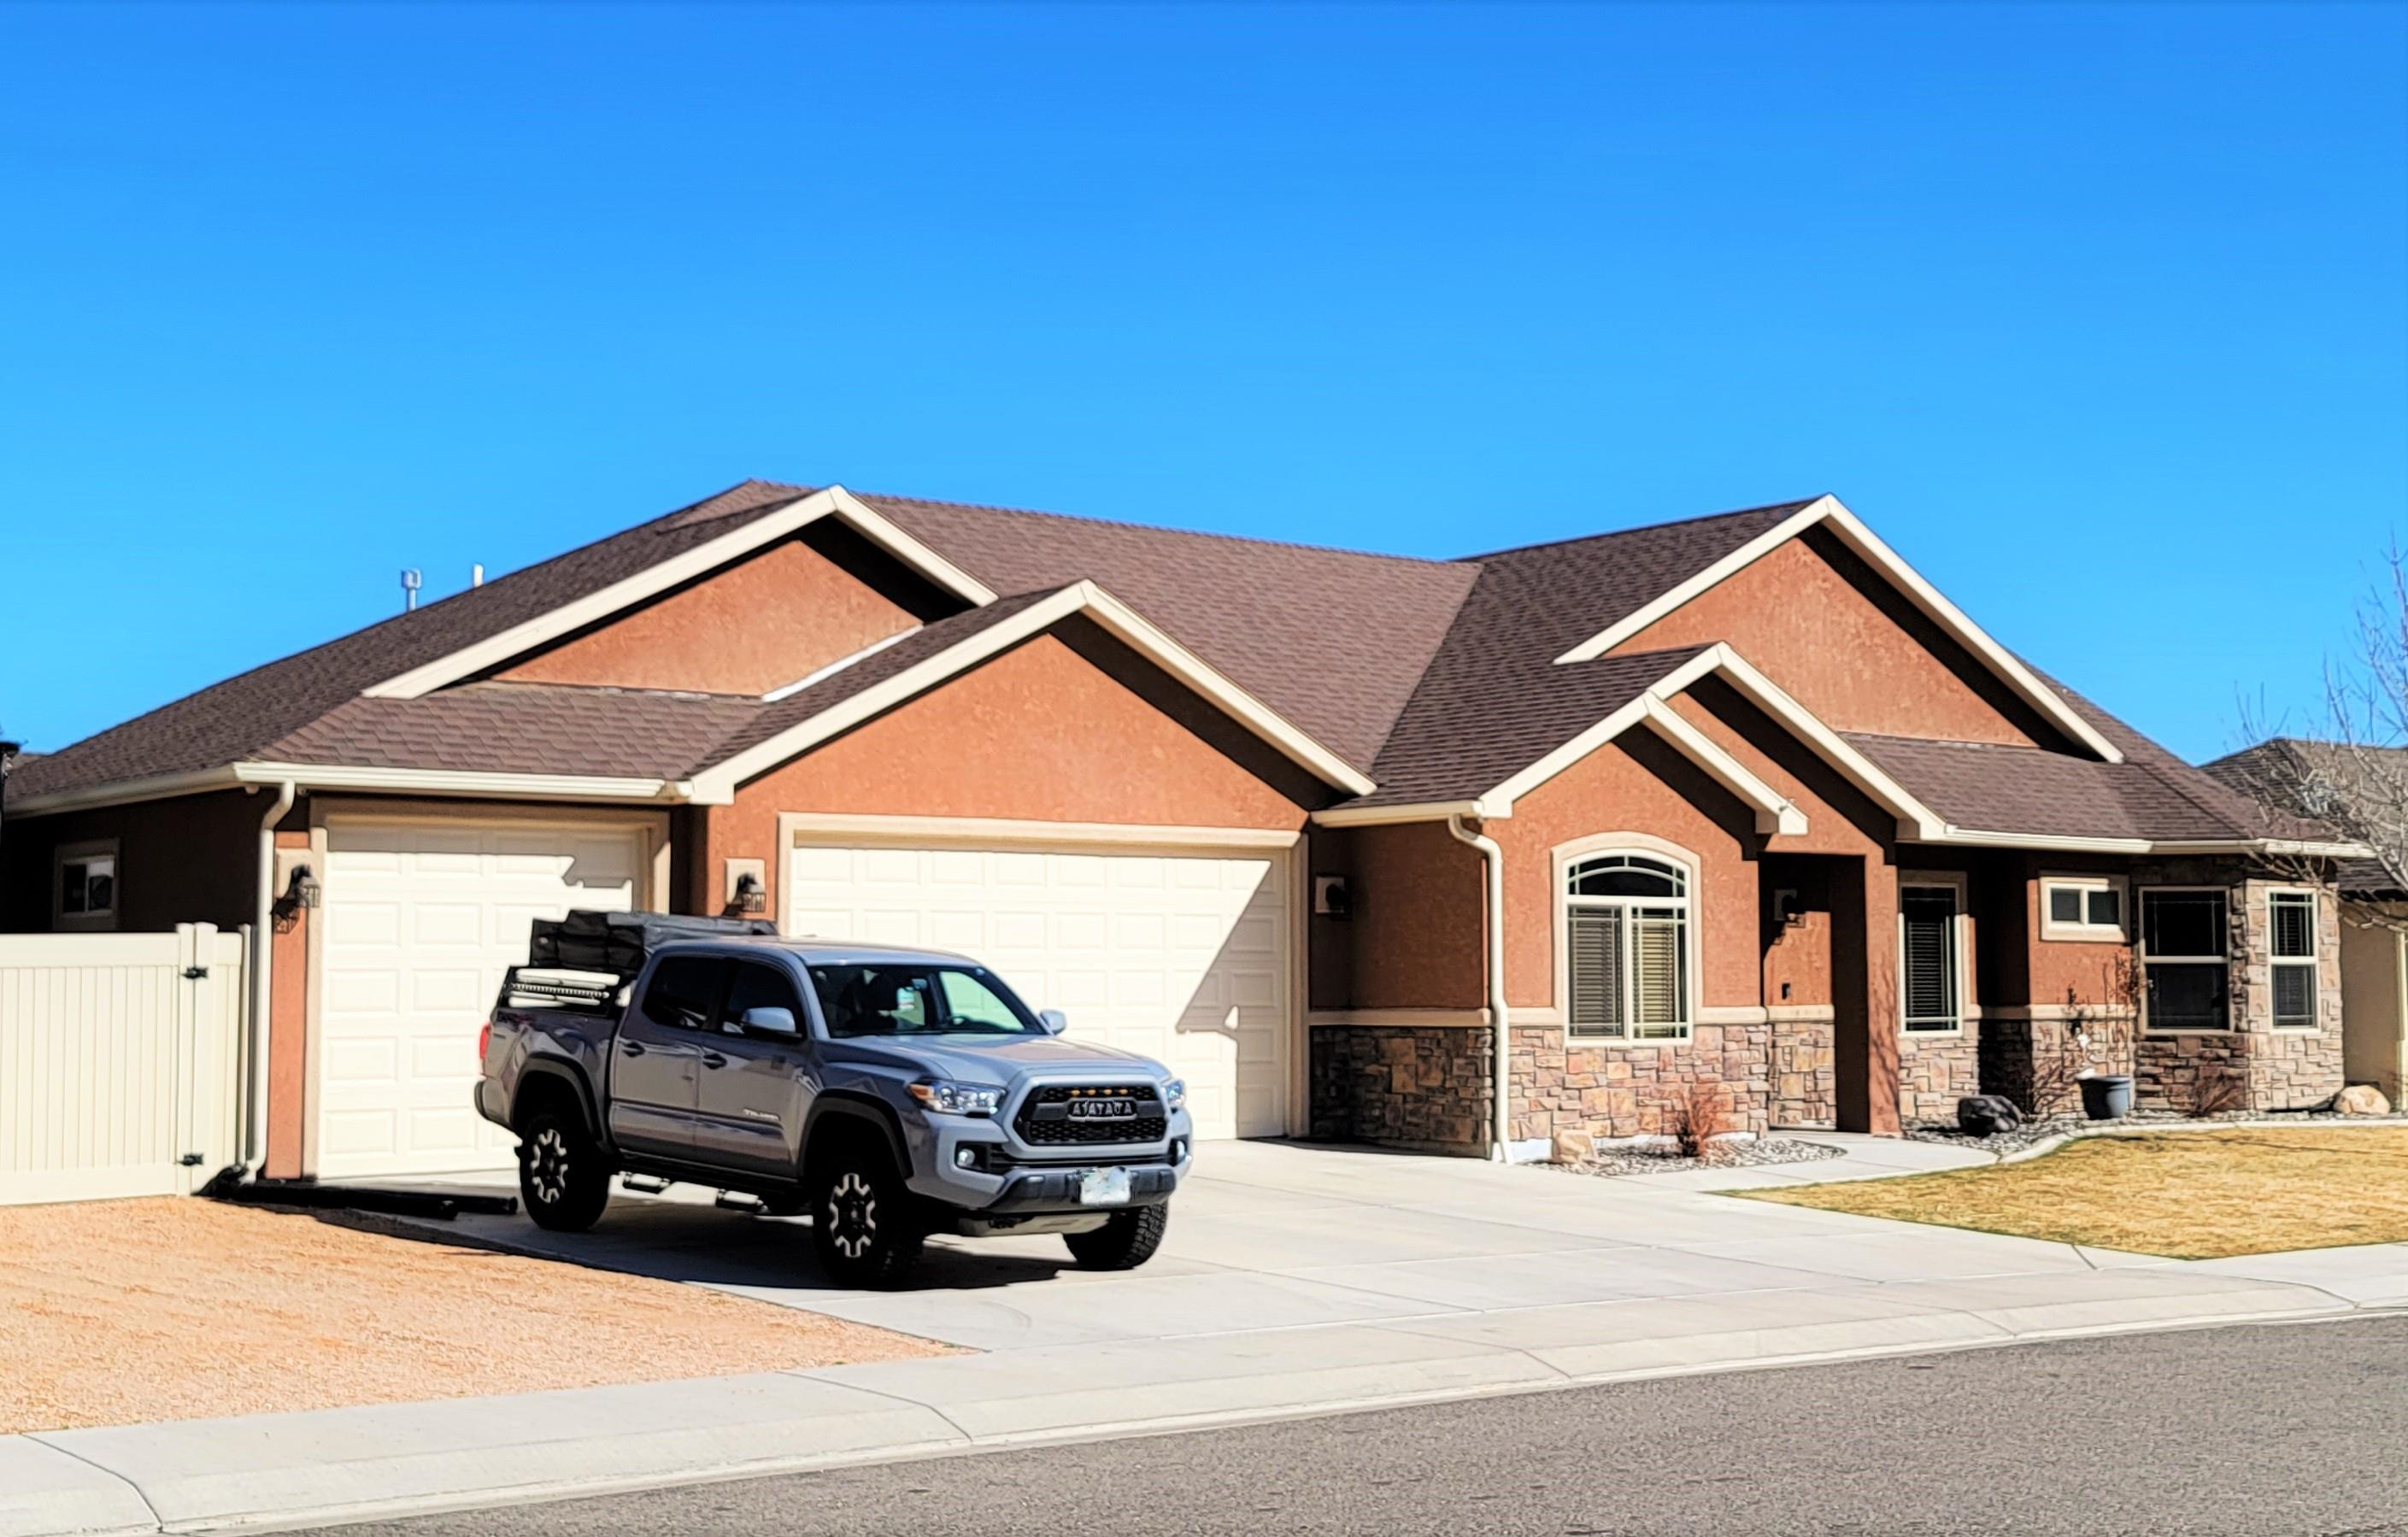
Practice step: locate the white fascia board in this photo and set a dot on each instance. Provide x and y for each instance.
(1714, 576)
(654, 579)
(1501, 800)
(1402, 811)
(1936, 607)
(545, 786)
(839, 664)
(1853, 765)
(1775, 813)
(156, 787)
(718, 784)
(2070, 844)
(1927, 598)
(1133, 629)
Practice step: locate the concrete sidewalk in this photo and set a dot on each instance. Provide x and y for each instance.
(1298, 1280)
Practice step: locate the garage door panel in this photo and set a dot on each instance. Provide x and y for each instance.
(422, 919)
(1180, 957)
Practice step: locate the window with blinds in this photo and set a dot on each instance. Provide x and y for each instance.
(2291, 919)
(1927, 959)
(1626, 949)
(2183, 955)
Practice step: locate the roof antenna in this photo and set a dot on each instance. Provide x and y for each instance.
(477, 575)
(411, 582)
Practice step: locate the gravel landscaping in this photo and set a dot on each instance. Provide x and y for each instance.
(120, 1312)
(1610, 1162)
(2033, 1132)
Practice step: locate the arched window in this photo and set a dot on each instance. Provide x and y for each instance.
(1626, 947)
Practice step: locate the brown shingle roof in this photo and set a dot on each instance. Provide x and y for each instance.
(1440, 677)
(1332, 639)
(241, 718)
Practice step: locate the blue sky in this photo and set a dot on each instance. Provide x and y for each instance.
(2098, 314)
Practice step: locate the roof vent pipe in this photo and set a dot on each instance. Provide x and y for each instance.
(1492, 858)
(477, 575)
(411, 582)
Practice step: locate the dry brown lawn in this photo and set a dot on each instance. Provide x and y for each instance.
(117, 1312)
(2187, 1195)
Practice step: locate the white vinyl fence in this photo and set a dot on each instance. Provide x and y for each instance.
(120, 1062)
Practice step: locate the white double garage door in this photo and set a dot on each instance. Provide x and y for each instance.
(1182, 953)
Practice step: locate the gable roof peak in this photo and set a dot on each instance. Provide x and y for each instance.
(1772, 510)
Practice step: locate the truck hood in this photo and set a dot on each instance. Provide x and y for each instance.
(998, 1059)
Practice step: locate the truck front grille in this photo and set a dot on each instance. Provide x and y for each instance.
(1047, 1120)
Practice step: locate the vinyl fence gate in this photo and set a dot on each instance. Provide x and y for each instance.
(120, 1062)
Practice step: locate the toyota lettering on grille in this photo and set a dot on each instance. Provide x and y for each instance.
(1102, 1109)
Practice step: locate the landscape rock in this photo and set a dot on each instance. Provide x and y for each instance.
(1986, 1115)
(1574, 1146)
(2361, 1099)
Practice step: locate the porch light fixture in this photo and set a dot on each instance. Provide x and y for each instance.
(302, 891)
(749, 897)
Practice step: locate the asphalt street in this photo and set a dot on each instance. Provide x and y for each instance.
(2290, 1428)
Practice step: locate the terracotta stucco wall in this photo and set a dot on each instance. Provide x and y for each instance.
(755, 626)
(1628, 787)
(288, 1037)
(1041, 733)
(1414, 938)
(192, 859)
(1807, 616)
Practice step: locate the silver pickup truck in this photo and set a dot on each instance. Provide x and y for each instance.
(886, 1093)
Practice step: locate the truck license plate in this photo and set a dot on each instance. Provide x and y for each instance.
(1104, 1187)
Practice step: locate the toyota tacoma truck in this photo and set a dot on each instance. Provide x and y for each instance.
(888, 1094)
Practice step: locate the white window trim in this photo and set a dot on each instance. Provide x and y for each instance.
(2140, 954)
(65, 854)
(1959, 931)
(1564, 857)
(2312, 961)
(2086, 932)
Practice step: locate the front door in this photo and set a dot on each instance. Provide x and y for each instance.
(656, 1061)
(756, 1087)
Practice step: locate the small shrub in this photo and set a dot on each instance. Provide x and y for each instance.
(1693, 1115)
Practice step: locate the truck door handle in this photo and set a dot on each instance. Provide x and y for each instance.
(712, 1058)
(630, 1048)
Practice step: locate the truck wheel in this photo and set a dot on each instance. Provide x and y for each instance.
(1126, 1241)
(863, 1227)
(561, 1175)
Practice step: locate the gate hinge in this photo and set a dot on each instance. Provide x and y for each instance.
(193, 974)
(190, 1160)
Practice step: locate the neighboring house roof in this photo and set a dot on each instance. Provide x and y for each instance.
(2360, 790)
(1418, 681)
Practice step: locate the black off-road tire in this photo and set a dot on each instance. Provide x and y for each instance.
(865, 1223)
(1126, 1241)
(563, 1180)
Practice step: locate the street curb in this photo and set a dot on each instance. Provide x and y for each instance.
(963, 1443)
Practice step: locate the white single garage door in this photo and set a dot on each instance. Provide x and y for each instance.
(420, 920)
(1181, 955)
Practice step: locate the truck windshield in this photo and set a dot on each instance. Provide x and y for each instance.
(908, 1000)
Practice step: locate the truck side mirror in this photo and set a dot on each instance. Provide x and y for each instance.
(770, 1021)
(1054, 1020)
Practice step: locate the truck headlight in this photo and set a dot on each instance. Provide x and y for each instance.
(957, 1099)
(1174, 1094)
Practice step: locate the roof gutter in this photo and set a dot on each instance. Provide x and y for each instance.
(1492, 859)
(262, 944)
(344, 776)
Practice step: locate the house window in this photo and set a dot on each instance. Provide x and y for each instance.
(86, 888)
(2081, 908)
(1627, 944)
(1931, 973)
(2183, 940)
(2292, 934)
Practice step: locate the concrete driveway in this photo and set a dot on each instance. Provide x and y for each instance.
(1271, 1236)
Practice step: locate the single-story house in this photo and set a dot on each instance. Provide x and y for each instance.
(2362, 790)
(1351, 841)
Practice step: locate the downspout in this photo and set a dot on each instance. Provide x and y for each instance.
(1492, 858)
(262, 941)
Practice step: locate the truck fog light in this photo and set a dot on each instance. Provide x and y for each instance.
(964, 1158)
